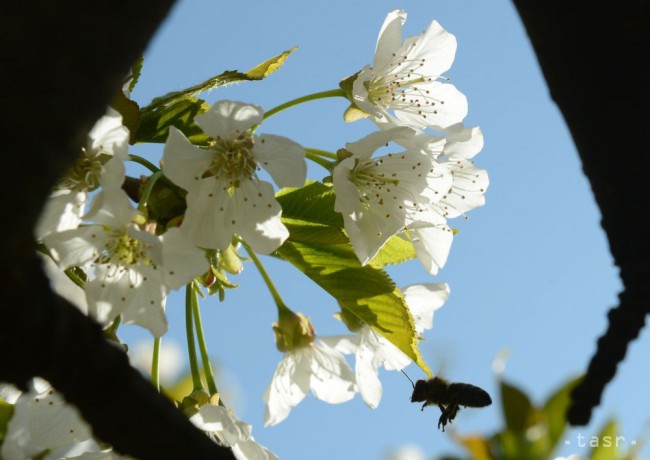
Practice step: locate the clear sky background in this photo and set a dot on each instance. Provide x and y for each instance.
(529, 272)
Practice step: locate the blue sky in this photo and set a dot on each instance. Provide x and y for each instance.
(529, 272)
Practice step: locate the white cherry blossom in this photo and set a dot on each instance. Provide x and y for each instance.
(431, 235)
(379, 197)
(44, 423)
(100, 163)
(372, 350)
(225, 196)
(130, 270)
(229, 431)
(316, 367)
(402, 86)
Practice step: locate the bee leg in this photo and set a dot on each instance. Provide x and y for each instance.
(452, 410)
(426, 403)
(448, 414)
(443, 417)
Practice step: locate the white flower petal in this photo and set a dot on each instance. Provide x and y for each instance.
(390, 38)
(464, 143)
(113, 173)
(110, 135)
(229, 119)
(213, 216)
(467, 190)
(432, 245)
(282, 158)
(423, 300)
(258, 216)
(250, 450)
(223, 423)
(365, 147)
(146, 305)
(289, 386)
(346, 344)
(63, 285)
(183, 162)
(331, 378)
(53, 423)
(366, 370)
(76, 247)
(435, 48)
(63, 211)
(111, 207)
(182, 260)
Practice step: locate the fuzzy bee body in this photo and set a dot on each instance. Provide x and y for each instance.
(449, 397)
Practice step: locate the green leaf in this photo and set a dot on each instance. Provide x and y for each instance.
(395, 251)
(266, 68)
(226, 78)
(555, 410)
(156, 120)
(365, 291)
(136, 70)
(130, 112)
(604, 446)
(312, 203)
(477, 445)
(301, 231)
(179, 108)
(308, 212)
(6, 412)
(518, 411)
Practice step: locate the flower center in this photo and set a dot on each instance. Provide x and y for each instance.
(371, 183)
(232, 160)
(84, 174)
(125, 250)
(396, 86)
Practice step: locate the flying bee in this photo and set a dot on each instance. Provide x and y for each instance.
(448, 397)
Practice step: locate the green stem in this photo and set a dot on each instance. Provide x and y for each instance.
(144, 162)
(155, 364)
(300, 100)
(207, 367)
(189, 331)
(269, 284)
(323, 153)
(112, 329)
(146, 191)
(321, 161)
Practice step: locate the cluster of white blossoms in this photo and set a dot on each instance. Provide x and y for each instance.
(431, 177)
(409, 192)
(406, 179)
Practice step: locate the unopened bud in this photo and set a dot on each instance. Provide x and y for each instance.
(293, 330)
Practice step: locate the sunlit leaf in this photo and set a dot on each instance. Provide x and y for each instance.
(156, 120)
(603, 446)
(266, 68)
(308, 213)
(226, 78)
(476, 445)
(367, 292)
(395, 251)
(555, 410)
